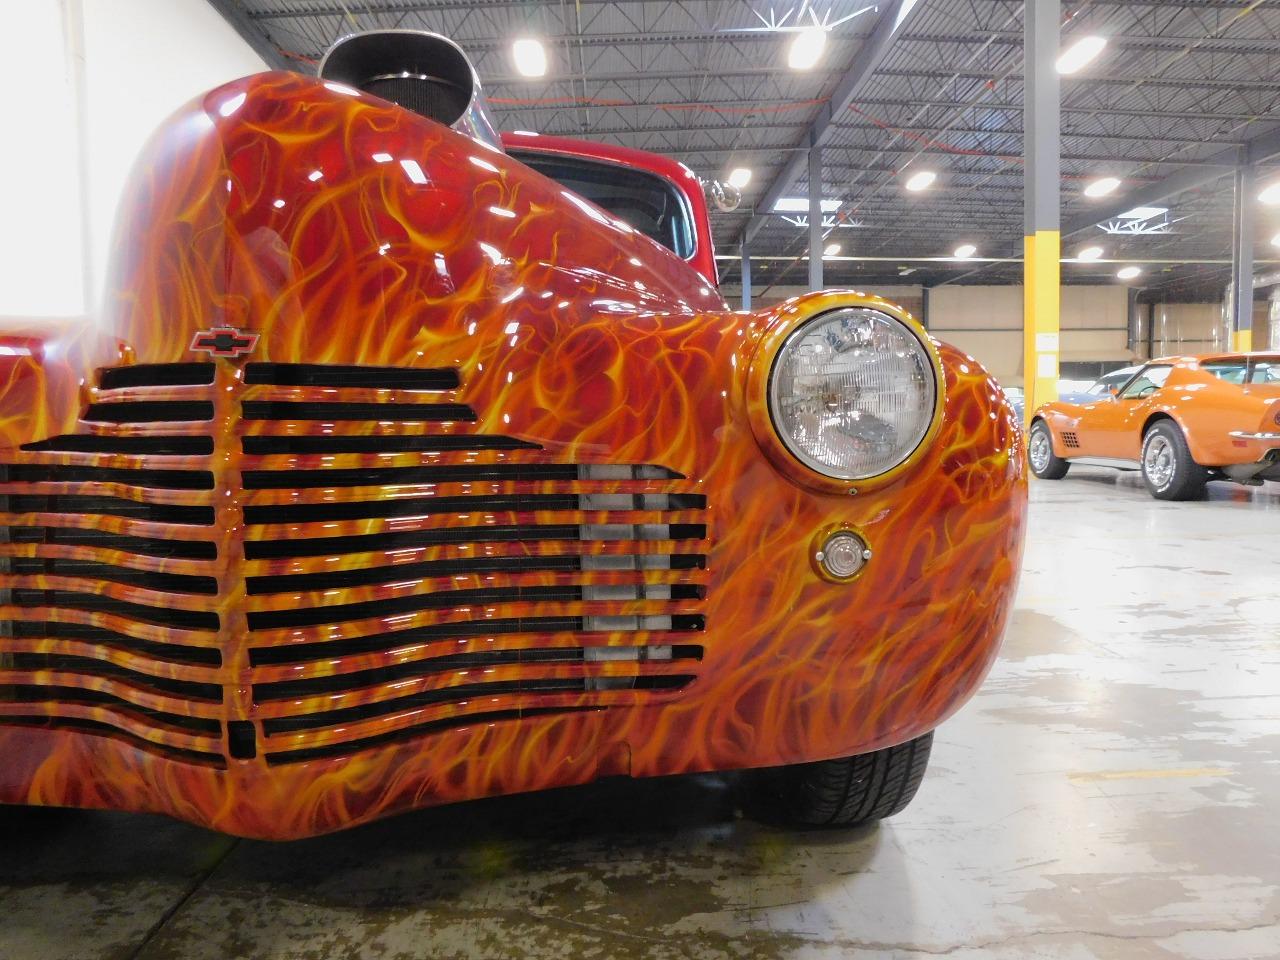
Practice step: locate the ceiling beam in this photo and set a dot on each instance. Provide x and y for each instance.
(1258, 150)
(251, 33)
(866, 61)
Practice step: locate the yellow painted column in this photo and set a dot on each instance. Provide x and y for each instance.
(1042, 304)
(1242, 340)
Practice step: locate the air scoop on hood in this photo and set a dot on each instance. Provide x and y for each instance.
(421, 71)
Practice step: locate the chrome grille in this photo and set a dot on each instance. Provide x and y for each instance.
(393, 571)
(108, 605)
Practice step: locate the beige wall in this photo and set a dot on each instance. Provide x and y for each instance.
(987, 323)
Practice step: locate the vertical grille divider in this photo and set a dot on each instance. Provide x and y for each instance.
(241, 735)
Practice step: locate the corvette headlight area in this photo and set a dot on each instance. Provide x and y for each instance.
(853, 393)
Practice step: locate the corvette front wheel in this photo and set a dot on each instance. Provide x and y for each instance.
(850, 790)
(1167, 465)
(1044, 463)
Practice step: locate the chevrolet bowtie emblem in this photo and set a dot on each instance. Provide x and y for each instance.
(224, 342)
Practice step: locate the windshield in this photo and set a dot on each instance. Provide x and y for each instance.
(1146, 383)
(647, 202)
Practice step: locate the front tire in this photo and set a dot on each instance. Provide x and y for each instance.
(1044, 463)
(1167, 466)
(850, 790)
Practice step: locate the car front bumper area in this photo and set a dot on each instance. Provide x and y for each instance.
(245, 612)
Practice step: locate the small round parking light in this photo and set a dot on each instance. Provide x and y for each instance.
(843, 555)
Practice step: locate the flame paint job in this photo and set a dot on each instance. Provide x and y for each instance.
(342, 230)
(1207, 409)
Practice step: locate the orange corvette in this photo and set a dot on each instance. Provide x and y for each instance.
(408, 464)
(1182, 421)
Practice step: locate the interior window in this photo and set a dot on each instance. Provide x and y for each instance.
(1265, 371)
(647, 202)
(1232, 371)
(1147, 382)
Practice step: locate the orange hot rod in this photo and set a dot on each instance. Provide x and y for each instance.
(1182, 421)
(401, 468)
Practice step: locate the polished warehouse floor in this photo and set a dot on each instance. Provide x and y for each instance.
(1113, 792)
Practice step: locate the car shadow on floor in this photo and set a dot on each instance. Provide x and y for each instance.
(1129, 482)
(436, 855)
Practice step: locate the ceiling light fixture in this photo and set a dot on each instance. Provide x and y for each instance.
(1129, 273)
(801, 205)
(1081, 53)
(806, 49)
(921, 181)
(832, 250)
(1102, 187)
(1271, 195)
(1090, 253)
(739, 177)
(1143, 213)
(530, 57)
(965, 251)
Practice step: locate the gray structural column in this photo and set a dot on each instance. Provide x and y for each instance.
(1242, 259)
(815, 218)
(746, 277)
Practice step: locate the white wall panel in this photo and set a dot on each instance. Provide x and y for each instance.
(87, 84)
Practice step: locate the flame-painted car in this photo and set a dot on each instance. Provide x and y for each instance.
(1182, 421)
(401, 468)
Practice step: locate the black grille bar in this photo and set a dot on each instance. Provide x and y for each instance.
(144, 546)
(106, 507)
(131, 446)
(534, 533)
(460, 630)
(391, 412)
(150, 411)
(447, 599)
(94, 603)
(335, 375)
(336, 683)
(57, 473)
(89, 569)
(368, 576)
(60, 630)
(156, 375)
(368, 443)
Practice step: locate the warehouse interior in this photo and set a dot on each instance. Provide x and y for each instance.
(1058, 189)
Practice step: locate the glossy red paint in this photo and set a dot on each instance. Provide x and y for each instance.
(483, 511)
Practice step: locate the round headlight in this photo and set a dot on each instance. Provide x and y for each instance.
(853, 393)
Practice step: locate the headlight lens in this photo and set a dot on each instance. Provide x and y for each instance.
(852, 393)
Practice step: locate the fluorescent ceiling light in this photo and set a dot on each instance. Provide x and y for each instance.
(530, 57)
(833, 250)
(1102, 187)
(965, 251)
(1128, 273)
(801, 205)
(1271, 195)
(739, 177)
(806, 48)
(1143, 213)
(1090, 253)
(921, 181)
(1081, 53)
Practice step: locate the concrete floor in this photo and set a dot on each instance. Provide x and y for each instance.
(1113, 792)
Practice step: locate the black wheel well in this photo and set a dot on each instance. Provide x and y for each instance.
(1154, 419)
